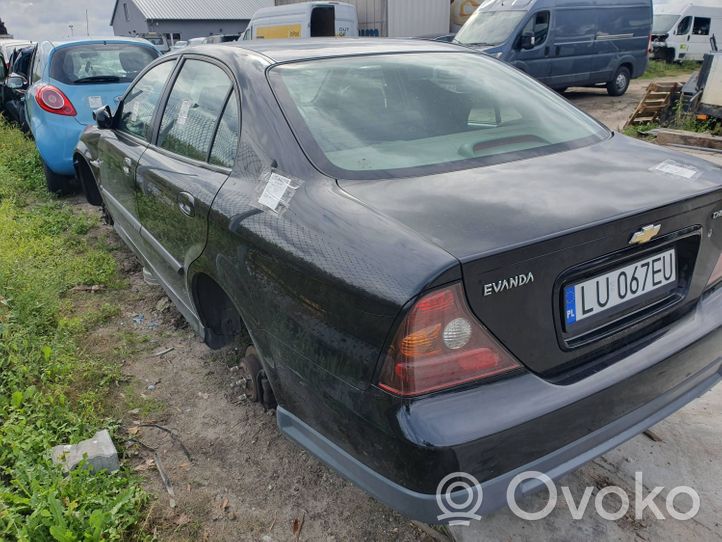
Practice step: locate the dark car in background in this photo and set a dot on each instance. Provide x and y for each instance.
(13, 88)
(565, 43)
(442, 265)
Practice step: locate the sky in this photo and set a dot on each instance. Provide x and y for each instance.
(49, 19)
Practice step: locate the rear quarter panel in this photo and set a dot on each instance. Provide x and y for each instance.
(320, 286)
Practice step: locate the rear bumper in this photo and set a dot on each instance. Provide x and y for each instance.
(497, 431)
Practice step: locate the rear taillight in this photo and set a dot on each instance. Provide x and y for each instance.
(440, 344)
(716, 273)
(52, 100)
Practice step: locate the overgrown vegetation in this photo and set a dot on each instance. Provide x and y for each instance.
(51, 391)
(660, 68)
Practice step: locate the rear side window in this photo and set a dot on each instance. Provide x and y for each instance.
(624, 21)
(139, 104)
(100, 63)
(701, 26)
(194, 107)
(576, 25)
(226, 140)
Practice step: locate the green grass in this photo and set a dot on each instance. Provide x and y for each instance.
(659, 68)
(51, 391)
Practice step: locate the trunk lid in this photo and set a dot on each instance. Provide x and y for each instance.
(527, 231)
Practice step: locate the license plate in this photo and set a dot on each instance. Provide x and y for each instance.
(604, 292)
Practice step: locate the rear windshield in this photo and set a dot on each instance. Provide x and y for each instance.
(412, 114)
(100, 63)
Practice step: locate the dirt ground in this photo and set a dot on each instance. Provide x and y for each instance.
(233, 474)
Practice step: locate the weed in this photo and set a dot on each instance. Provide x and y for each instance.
(50, 391)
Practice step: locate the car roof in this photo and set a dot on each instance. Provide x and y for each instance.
(316, 48)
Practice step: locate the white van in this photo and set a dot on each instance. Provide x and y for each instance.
(685, 30)
(305, 20)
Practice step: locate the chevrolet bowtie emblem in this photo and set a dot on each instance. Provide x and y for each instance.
(645, 235)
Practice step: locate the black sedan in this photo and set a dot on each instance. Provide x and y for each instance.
(442, 265)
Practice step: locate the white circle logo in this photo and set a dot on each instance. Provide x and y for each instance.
(459, 497)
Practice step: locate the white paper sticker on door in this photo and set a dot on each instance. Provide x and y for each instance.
(183, 113)
(275, 190)
(95, 102)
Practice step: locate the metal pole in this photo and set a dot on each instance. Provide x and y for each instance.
(87, 26)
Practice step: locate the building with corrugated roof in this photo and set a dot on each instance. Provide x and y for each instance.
(184, 19)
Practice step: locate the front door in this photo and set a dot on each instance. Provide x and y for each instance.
(179, 176)
(120, 149)
(535, 61)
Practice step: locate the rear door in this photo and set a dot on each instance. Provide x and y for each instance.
(180, 174)
(573, 52)
(120, 149)
(698, 40)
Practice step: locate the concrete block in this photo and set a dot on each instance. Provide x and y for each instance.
(99, 452)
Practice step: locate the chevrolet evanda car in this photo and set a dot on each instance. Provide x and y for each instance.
(442, 265)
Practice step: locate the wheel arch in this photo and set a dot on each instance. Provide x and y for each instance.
(86, 178)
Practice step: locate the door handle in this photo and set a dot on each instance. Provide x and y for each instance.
(546, 51)
(127, 163)
(187, 204)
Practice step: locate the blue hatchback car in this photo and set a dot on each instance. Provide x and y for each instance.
(68, 81)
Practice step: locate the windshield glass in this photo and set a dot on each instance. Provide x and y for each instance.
(155, 41)
(100, 63)
(662, 24)
(413, 114)
(489, 27)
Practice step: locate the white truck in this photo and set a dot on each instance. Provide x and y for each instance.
(686, 30)
(303, 20)
(398, 18)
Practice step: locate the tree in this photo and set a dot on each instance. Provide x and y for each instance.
(3, 30)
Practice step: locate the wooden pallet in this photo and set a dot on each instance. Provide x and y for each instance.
(658, 99)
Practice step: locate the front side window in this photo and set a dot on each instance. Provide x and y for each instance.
(538, 25)
(411, 114)
(684, 26)
(489, 27)
(100, 63)
(136, 113)
(38, 63)
(194, 107)
(701, 26)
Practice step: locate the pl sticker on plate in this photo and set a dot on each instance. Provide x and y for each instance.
(95, 102)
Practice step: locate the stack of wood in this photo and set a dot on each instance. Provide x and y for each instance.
(658, 100)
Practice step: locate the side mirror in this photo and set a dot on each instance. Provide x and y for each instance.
(16, 82)
(527, 40)
(103, 117)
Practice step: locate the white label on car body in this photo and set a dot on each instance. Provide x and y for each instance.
(183, 113)
(95, 102)
(275, 191)
(675, 168)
